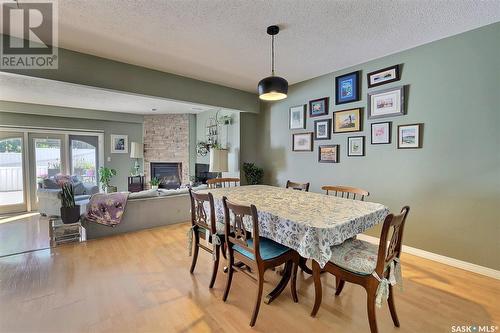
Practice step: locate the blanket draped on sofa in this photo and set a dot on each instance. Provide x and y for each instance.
(107, 208)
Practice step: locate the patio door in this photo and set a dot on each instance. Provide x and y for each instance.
(13, 187)
(84, 157)
(48, 158)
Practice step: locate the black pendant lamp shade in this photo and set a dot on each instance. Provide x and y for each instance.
(272, 88)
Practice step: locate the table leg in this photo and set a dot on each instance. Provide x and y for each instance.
(318, 292)
(281, 285)
(303, 266)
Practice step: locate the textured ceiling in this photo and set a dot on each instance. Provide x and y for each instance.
(26, 89)
(224, 41)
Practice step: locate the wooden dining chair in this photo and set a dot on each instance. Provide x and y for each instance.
(222, 182)
(298, 186)
(255, 252)
(347, 191)
(374, 267)
(201, 221)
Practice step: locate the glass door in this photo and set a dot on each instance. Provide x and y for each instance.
(12, 174)
(84, 156)
(48, 158)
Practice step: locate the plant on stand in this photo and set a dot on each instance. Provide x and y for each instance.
(70, 212)
(105, 175)
(154, 182)
(253, 174)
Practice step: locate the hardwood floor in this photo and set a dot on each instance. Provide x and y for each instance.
(23, 232)
(140, 282)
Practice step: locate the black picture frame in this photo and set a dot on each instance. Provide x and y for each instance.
(420, 127)
(356, 88)
(358, 128)
(324, 112)
(303, 114)
(328, 129)
(336, 160)
(389, 125)
(362, 145)
(397, 76)
(310, 148)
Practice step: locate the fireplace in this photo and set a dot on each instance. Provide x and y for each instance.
(170, 174)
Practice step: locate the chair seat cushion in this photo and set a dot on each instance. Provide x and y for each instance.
(356, 256)
(269, 249)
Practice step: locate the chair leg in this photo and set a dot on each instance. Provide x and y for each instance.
(260, 283)
(392, 307)
(230, 270)
(196, 248)
(293, 283)
(339, 286)
(371, 310)
(303, 266)
(216, 266)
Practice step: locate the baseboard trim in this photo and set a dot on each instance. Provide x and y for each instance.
(490, 272)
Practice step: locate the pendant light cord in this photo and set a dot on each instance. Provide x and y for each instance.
(272, 55)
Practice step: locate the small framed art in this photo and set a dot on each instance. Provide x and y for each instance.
(297, 117)
(119, 144)
(328, 154)
(386, 103)
(410, 136)
(347, 88)
(347, 121)
(302, 142)
(356, 146)
(318, 107)
(383, 76)
(381, 133)
(322, 129)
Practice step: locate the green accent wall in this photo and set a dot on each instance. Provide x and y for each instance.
(453, 183)
(24, 117)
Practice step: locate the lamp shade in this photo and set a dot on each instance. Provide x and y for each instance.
(136, 150)
(218, 160)
(272, 88)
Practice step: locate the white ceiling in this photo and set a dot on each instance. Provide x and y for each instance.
(25, 89)
(225, 41)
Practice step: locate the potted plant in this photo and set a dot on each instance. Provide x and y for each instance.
(105, 175)
(70, 213)
(253, 173)
(154, 182)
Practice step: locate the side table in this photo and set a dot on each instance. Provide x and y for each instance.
(61, 233)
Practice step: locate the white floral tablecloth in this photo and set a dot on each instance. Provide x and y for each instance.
(310, 223)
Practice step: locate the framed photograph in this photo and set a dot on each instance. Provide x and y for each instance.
(386, 103)
(410, 136)
(381, 133)
(383, 76)
(318, 107)
(328, 154)
(322, 129)
(356, 146)
(347, 88)
(119, 144)
(297, 117)
(347, 121)
(302, 142)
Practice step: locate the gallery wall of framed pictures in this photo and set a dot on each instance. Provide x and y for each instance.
(381, 103)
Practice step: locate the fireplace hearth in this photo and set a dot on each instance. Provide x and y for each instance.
(169, 174)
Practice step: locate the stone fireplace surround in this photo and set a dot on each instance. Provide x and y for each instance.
(166, 140)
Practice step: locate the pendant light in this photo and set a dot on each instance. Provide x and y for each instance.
(272, 88)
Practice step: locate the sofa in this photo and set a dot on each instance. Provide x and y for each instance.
(147, 209)
(49, 202)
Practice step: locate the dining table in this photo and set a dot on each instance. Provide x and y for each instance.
(310, 223)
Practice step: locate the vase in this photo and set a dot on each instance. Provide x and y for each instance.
(154, 187)
(70, 214)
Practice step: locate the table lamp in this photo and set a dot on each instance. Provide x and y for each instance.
(136, 151)
(218, 160)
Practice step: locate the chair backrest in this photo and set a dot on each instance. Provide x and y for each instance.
(199, 215)
(236, 233)
(222, 182)
(346, 191)
(298, 186)
(386, 253)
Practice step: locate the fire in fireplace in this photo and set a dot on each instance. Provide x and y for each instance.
(169, 174)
